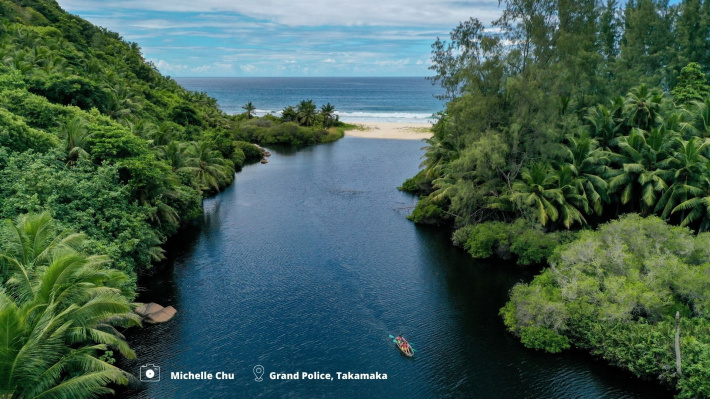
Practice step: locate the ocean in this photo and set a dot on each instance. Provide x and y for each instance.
(356, 99)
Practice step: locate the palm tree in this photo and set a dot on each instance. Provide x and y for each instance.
(643, 106)
(306, 112)
(249, 108)
(602, 126)
(206, 165)
(76, 139)
(689, 168)
(30, 241)
(537, 192)
(641, 175)
(59, 312)
(590, 166)
(164, 134)
(697, 207)
(175, 153)
(122, 102)
(37, 361)
(571, 203)
(700, 110)
(438, 156)
(327, 111)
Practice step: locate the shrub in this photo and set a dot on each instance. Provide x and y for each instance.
(17, 136)
(251, 152)
(427, 212)
(543, 339)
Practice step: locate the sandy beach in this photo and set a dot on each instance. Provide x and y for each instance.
(391, 130)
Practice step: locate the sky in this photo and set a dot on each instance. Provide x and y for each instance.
(284, 37)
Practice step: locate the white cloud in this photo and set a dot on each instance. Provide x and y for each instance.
(392, 62)
(247, 68)
(321, 12)
(329, 60)
(167, 68)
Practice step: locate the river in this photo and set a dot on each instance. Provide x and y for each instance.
(308, 264)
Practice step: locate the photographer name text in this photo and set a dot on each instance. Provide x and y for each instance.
(202, 375)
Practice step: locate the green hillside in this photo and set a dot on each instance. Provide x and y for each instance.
(102, 159)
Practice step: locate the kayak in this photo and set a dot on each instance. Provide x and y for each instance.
(404, 346)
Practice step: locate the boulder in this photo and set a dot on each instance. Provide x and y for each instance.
(148, 308)
(154, 313)
(161, 316)
(263, 160)
(267, 153)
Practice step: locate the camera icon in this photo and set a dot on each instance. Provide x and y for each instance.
(150, 373)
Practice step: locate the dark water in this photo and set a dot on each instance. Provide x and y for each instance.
(357, 99)
(308, 264)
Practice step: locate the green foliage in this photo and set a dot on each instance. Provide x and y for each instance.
(522, 239)
(185, 114)
(251, 152)
(615, 292)
(72, 90)
(426, 212)
(109, 143)
(416, 184)
(485, 239)
(692, 85)
(60, 308)
(302, 125)
(541, 338)
(17, 136)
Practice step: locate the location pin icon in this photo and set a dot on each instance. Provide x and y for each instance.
(258, 372)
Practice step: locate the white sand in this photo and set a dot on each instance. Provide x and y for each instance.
(388, 130)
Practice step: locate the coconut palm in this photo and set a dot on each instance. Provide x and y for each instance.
(696, 209)
(537, 191)
(700, 111)
(689, 168)
(573, 202)
(175, 153)
(328, 112)
(164, 134)
(643, 106)
(76, 139)
(602, 125)
(30, 241)
(206, 165)
(590, 166)
(36, 360)
(306, 112)
(59, 312)
(641, 175)
(249, 108)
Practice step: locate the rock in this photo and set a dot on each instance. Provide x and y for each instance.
(161, 316)
(267, 154)
(263, 160)
(148, 308)
(154, 313)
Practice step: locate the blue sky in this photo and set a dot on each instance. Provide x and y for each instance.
(284, 37)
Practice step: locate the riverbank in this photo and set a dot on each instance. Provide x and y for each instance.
(390, 130)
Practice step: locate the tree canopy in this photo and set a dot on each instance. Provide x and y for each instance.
(563, 116)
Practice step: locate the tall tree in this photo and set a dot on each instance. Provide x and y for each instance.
(249, 109)
(76, 139)
(306, 112)
(692, 85)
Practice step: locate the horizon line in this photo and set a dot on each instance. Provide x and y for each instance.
(270, 77)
